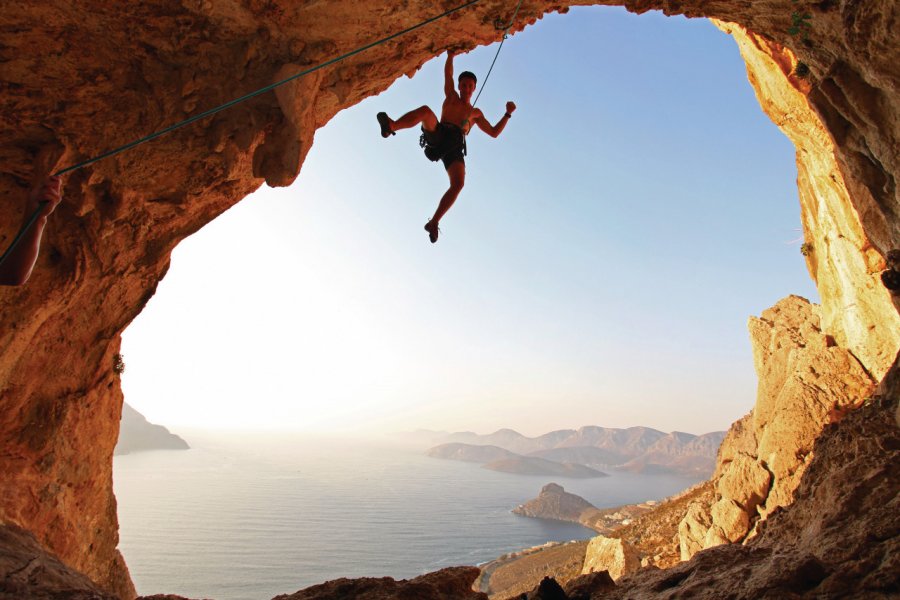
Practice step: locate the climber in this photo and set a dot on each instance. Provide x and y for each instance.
(18, 263)
(445, 140)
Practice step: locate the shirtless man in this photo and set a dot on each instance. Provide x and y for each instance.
(15, 269)
(445, 140)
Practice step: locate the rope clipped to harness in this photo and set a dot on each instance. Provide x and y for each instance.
(499, 25)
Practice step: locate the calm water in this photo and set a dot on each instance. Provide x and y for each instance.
(247, 518)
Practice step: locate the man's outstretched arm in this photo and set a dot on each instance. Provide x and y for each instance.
(449, 84)
(16, 268)
(495, 130)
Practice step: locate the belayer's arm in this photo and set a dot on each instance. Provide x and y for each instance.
(16, 267)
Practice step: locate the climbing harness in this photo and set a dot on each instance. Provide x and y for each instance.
(222, 107)
(446, 140)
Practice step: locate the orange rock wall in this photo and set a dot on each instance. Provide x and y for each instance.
(88, 76)
(857, 309)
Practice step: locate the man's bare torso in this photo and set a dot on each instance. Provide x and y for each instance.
(455, 111)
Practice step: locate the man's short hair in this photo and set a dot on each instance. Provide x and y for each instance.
(467, 74)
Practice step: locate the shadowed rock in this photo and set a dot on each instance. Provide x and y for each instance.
(454, 583)
(28, 571)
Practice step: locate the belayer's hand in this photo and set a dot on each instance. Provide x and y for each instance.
(48, 192)
(510, 107)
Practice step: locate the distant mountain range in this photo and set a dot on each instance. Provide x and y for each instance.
(637, 449)
(137, 434)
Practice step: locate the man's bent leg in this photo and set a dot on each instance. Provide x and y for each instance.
(423, 115)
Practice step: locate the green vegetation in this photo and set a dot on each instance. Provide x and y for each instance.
(799, 23)
(806, 248)
(118, 364)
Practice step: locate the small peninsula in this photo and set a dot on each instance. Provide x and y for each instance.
(136, 434)
(531, 465)
(470, 453)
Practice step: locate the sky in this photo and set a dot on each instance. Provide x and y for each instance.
(598, 268)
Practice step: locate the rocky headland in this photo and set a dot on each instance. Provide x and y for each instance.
(804, 498)
(137, 434)
(554, 502)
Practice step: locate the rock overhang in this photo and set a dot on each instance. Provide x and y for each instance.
(67, 70)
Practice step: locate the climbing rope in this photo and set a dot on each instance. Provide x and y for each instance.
(263, 90)
(499, 48)
(222, 107)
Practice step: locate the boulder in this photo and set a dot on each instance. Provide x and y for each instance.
(615, 556)
(693, 528)
(746, 481)
(731, 519)
(715, 536)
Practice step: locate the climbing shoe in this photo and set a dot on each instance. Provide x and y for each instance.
(433, 231)
(385, 123)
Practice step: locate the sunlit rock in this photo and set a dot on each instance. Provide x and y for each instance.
(86, 78)
(746, 481)
(731, 519)
(614, 556)
(693, 528)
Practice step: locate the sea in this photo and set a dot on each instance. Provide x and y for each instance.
(244, 516)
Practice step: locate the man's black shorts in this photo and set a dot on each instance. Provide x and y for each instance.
(446, 143)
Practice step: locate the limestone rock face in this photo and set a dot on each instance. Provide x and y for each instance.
(739, 439)
(80, 78)
(615, 556)
(805, 382)
(861, 316)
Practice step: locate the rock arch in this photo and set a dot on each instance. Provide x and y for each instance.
(84, 78)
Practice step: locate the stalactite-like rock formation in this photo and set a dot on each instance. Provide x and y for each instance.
(84, 77)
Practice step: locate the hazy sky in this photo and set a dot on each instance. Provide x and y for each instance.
(598, 268)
